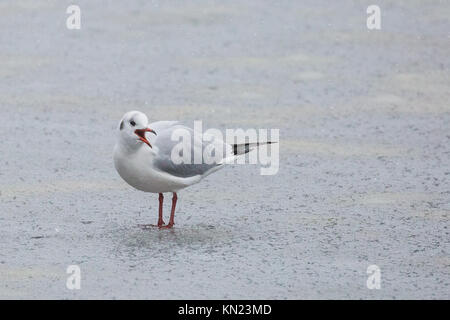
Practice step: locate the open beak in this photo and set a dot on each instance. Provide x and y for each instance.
(141, 134)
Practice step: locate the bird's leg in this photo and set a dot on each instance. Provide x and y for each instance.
(160, 218)
(172, 213)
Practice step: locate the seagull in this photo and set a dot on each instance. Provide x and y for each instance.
(143, 157)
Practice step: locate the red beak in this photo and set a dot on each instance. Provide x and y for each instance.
(141, 134)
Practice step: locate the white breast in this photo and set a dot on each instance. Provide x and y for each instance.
(137, 170)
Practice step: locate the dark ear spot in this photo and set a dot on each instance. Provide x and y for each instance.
(121, 125)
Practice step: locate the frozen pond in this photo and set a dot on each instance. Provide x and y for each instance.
(364, 120)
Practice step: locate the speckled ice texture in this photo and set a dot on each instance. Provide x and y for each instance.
(364, 119)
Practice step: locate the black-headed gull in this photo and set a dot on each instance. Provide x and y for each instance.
(146, 161)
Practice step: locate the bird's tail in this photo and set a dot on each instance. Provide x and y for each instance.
(244, 148)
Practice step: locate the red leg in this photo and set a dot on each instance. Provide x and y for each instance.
(172, 212)
(160, 218)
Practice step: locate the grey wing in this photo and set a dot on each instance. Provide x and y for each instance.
(168, 138)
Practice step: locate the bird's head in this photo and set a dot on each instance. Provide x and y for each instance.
(132, 129)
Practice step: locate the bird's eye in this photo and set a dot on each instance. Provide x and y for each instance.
(132, 123)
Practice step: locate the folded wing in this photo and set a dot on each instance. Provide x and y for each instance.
(168, 138)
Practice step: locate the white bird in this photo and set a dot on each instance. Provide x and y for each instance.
(145, 162)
